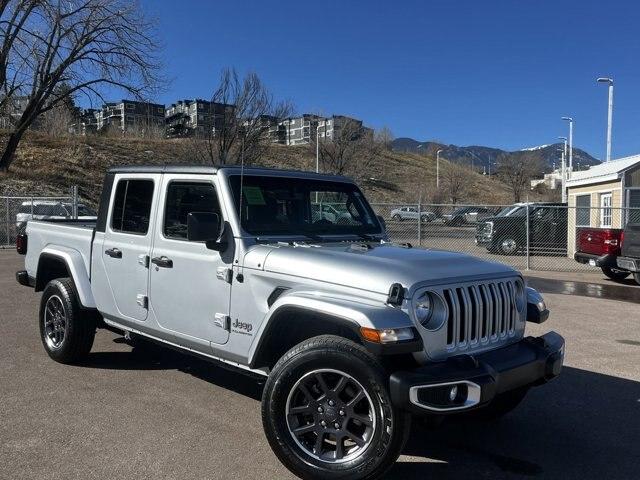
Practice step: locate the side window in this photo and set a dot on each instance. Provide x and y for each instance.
(132, 206)
(182, 199)
(583, 210)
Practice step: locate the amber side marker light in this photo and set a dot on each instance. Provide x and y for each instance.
(387, 335)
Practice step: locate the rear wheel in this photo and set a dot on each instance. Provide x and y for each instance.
(636, 277)
(615, 274)
(397, 218)
(66, 331)
(327, 413)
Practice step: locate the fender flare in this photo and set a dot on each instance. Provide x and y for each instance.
(344, 312)
(76, 269)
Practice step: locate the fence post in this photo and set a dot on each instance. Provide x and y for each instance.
(74, 196)
(8, 222)
(420, 220)
(528, 253)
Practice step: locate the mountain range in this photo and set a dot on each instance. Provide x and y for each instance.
(485, 158)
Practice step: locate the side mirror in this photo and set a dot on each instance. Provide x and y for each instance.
(382, 221)
(203, 226)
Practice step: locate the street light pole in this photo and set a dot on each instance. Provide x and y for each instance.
(438, 168)
(563, 171)
(318, 148)
(570, 120)
(609, 114)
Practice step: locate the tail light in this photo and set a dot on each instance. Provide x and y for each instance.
(21, 243)
(612, 241)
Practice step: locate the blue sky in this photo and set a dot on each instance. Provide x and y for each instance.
(494, 73)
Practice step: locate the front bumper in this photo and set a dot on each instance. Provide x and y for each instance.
(608, 260)
(531, 361)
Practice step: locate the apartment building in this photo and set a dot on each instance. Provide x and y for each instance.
(129, 115)
(195, 117)
(336, 125)
(84, 121)
(13, 110)
(297, 130)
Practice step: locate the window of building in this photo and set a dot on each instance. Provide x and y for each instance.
(132, 206)
(160, 110)
(184, 198)
(583, 210)
(605, 210)
(129, 106)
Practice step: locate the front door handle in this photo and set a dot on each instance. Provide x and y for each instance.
(163, 262)
(113, 253)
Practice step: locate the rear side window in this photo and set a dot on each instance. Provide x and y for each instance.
(132, 206)
(184, 198)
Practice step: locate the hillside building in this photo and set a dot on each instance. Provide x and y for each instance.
(129, 115)
(195, 117)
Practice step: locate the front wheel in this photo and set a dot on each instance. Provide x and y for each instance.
(636, 277)
(327, 413)
(397, 218)
(66, 331)
(508, 246)
(615, 274)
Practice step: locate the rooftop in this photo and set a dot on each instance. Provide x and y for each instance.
(605, 172)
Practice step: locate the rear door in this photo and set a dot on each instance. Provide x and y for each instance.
(127, 244)
(191, 289)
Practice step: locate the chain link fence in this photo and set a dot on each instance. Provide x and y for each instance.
(524, 236)
(16, 211)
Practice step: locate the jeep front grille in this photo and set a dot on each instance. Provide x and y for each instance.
(481, 313)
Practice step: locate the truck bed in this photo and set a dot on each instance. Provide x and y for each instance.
(60, 235)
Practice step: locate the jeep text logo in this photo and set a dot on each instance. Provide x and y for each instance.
(247, 327)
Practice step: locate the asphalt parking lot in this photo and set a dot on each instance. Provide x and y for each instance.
(160, 414)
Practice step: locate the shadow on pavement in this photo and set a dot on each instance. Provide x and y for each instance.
(583, 425)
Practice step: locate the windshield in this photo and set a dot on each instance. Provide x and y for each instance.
(298, 206)
(506, 211)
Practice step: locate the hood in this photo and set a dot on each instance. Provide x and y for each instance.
(376, 268)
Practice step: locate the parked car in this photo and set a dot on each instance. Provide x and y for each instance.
(330, 213)
(629, 258)
(411, 213)
(50, 210)
(507, 234)
(351, 333)
(600, 247)
(466, 215)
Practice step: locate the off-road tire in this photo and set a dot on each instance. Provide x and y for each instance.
(80, 324)
(636, 277)
(397, 218)
(615, 274)
(329, 352)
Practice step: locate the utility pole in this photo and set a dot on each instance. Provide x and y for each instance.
(570, 120)
(609, 114)
(563, 171)
(438, 169)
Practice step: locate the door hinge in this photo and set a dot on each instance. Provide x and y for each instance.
(222, 320)
(142, 300)
(225, 274)
(143, 260)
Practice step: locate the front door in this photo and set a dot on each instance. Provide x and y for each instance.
(126, 246)
(190, 287)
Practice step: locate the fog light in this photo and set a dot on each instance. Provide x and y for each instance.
(453, 393)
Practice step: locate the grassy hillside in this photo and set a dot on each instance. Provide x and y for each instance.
(48, 165)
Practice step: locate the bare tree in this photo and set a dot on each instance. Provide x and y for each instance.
(385, 137)
(517, 170)
(350, 151)
(456, 180)
(82, 45)
(242, 111)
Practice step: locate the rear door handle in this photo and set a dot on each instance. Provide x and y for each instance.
(163, 262)
(113, 253)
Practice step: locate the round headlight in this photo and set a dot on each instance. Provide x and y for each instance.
(430, 310)
(422, 308)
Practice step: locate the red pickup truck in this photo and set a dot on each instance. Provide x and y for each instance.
(600, 247)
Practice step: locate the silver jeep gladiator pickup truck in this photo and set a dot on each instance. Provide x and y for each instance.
(352, 333)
